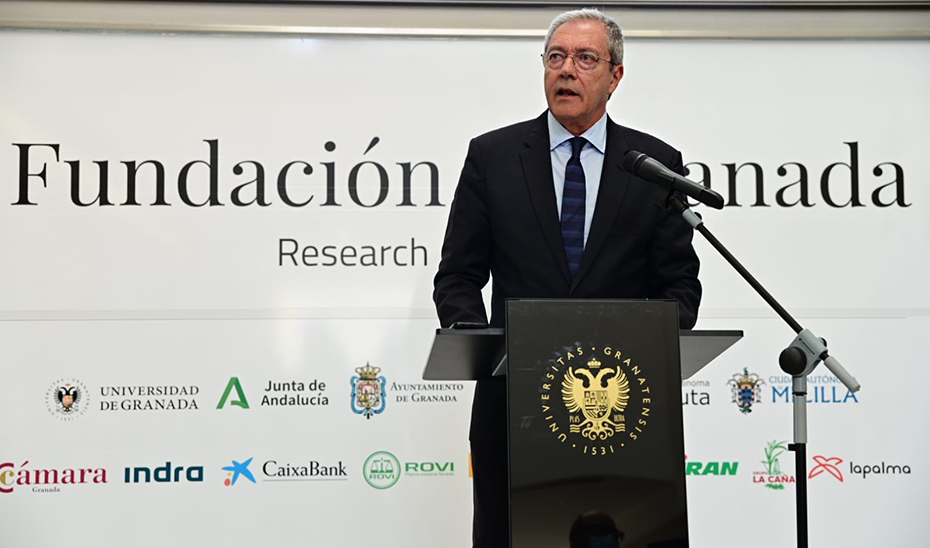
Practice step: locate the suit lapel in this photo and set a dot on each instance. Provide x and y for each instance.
(610, 194)
(537, 169)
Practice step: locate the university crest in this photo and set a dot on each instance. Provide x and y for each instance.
(595, 399)
(595, 393)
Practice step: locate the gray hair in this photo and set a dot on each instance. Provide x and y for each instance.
(614, 34)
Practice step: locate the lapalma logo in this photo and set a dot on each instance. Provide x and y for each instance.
(46, 480)
(239, 401)
(236, 470)
(67, 399)
(830, 465)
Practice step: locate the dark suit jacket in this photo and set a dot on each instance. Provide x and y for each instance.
(504, 223)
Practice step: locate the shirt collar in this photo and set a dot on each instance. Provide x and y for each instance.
(596, 134)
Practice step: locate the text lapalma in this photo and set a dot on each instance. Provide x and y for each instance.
(297, 184)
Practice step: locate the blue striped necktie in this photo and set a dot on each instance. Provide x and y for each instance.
(573, 196)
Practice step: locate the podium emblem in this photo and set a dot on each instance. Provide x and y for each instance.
(596, 393)
(587, 402)
(368, 391)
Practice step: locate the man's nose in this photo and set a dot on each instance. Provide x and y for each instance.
(565, 70)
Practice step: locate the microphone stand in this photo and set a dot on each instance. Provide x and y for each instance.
(799, 359)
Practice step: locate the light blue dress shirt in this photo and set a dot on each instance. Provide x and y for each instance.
(592, 160)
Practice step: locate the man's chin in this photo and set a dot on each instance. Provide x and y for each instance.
(565, 116)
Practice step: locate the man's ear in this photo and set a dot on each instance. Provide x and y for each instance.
(616, 76)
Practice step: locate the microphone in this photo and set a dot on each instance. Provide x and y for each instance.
(655, 172)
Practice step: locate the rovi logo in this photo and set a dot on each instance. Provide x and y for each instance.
(382, 469)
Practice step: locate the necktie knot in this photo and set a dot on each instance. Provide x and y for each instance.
(577, 144)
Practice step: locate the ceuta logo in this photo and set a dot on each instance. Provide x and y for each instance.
(826, 464)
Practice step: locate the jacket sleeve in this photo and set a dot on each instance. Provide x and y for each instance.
(673, 264)
(464, 268)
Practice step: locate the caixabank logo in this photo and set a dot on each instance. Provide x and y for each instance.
(284, 470)
(67, 399)
(238, 470)
(47, 480)
(302, 471)
(382, 470)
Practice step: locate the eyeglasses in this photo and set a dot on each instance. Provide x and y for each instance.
(583, 61)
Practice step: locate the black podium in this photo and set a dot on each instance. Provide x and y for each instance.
(594, 412)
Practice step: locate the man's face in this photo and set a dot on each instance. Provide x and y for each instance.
(577, 98)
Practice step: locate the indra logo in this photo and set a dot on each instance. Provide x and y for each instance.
(746, 390)
(381, 470)
(237, 470)
(67, 399)
(239, 400)
(369, 394)
(163, 474)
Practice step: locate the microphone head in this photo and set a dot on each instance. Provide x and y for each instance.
(632, 160)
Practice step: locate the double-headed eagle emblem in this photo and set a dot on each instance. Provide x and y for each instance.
(596, 393)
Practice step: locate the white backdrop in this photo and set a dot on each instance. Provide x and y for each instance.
(113, 298)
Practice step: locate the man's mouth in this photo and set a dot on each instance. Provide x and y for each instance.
(566, 93)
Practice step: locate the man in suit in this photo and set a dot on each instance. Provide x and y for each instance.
(545, 209)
